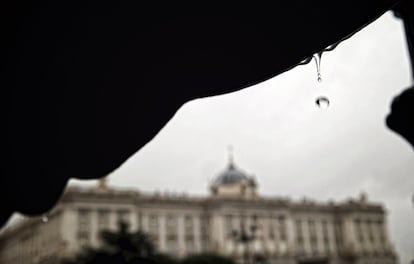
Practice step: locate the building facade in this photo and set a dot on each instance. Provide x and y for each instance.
(234, 220)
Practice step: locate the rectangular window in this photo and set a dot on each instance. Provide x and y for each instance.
(271, 229)
(124, 216)
(153, 223)
(370, 227)
(338, 235)
(299, 237)
(381, 235)
(84, 224)
(204, 232)
(171, 225)
(189, 244)
(139, 221)
(172, 245)
(153, 228)
(229, 223)
(313, 237)
(103, 219)
(312, 229)
(282, 228)
(325, 235)
(188, 226)
(359, 231)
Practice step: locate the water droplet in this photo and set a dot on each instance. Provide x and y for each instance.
(45, 218)
(331, 47)
(322, 102)
(305, 61)
(318, 57)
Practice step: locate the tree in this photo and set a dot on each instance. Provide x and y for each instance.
(206, 258)
(121, 247)
(136, 247)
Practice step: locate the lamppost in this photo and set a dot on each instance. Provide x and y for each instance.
(244, 237)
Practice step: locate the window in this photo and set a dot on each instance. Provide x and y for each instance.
(382, 238)
(371, 231)
(172, 245)
(204, 232)
(139, 221)
(153, 227)
(189, 246)
(313, 237)
(123, 216)
(229, 224)
(172, 227)
(282, 228)
(103, 219)
(338, 234)
(271, 229)
(299, 237)
(359, 231)
(188, 226)
(325, 235)
(84, 222)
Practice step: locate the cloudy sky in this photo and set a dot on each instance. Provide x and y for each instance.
(294, 148)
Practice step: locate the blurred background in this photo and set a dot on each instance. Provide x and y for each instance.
(295, 149)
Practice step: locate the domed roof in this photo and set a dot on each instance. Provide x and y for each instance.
(230, 175)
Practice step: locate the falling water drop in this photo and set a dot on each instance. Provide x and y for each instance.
(322, 102)
(318, 57)
(45, 218)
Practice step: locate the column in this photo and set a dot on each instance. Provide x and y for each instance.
(68, 229)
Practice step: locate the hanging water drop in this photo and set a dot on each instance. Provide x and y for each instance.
(45, 218)
(331, 47)
(322, 102)
(305, 61)
(318, 57)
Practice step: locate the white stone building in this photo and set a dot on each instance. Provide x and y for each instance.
(277, 229)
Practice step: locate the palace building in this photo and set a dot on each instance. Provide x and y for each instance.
(234, 220)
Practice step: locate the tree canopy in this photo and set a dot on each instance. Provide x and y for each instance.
(123, 246)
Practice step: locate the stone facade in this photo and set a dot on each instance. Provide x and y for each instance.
(234, 221)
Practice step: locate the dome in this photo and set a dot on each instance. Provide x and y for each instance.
(230, 175)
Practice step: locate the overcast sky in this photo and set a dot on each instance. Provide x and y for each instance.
(294, 148)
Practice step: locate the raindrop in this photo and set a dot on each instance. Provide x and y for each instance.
(331, 47)
(318, 57)
(322, 102)
(45, 218)
(305, 61)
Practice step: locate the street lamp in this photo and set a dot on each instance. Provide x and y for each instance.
(244, 237)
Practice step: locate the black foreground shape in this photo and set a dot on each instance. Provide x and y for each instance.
(86, 84)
